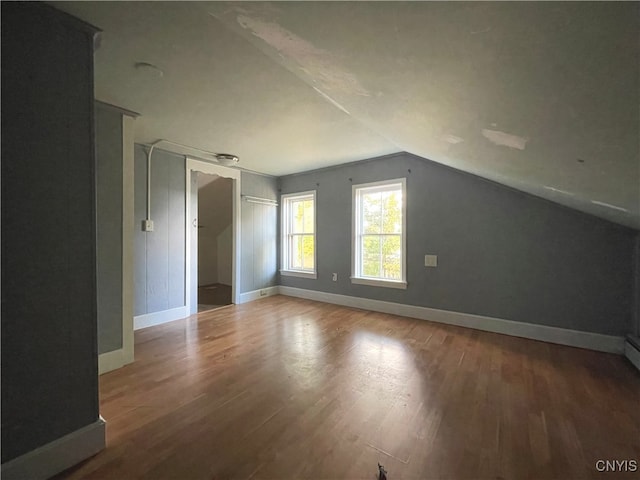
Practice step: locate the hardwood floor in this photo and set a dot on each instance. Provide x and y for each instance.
(287, 388)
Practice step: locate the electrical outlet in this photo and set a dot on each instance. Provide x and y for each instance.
(430, 260)
(147, 225)
(334, 277)
(263, 293)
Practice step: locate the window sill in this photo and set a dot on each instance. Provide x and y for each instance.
(379, 283)
(296, 273)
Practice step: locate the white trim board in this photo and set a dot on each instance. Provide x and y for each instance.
(158, 318)
(109, 361)
(55, 457)
(562, 336)
(632, 354)
(256, 294)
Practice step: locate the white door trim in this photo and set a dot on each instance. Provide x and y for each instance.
(212, 169)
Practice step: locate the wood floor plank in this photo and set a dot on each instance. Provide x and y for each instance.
(288, 388)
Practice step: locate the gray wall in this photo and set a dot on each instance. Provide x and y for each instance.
(109, 227)
(636, 288)
(501, 253)
(159, 255)
(259, 234)
(49, 346)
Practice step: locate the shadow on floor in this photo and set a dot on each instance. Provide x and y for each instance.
(213, 296)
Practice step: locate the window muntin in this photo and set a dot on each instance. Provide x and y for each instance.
(379, 226)
(298, 234)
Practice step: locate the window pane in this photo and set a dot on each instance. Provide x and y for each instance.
(371, 255)
(308, 216)
(296, 252)
(298, 230)
(297, 214)
(302, 252)
(392, 208)
(391, 257)
(371, 212)
(308, 250)
(379, 231)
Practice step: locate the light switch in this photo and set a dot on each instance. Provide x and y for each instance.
(430, 260)
(334, 277)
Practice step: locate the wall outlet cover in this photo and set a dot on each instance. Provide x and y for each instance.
(430, 260)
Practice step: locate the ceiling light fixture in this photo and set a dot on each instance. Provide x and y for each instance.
(224, 159)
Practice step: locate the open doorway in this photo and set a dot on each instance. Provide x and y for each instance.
(215, 241)
(194, 169)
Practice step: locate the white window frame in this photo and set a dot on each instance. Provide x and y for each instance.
(356, 232)
(285, 202)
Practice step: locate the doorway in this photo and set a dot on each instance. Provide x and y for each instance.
(225, 276)
(215, 241)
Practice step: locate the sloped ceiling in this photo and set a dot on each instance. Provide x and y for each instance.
(540, 96)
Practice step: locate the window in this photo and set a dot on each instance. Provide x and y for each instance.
(299, 234)
(379, 234)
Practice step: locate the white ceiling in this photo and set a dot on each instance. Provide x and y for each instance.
(540, 96)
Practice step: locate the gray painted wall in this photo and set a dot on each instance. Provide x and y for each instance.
(259, 234)
(49, 346)
(501, 253)
(109, 228)
(636, 288)
(159, 255)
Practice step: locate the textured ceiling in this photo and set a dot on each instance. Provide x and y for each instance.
(540, 96)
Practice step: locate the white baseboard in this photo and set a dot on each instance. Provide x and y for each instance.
(257, 294)
(562, 336)
(52, 458)
(158, 318)
(632, 354)
(109, 361)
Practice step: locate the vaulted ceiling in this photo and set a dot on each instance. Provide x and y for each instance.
(541, 96)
